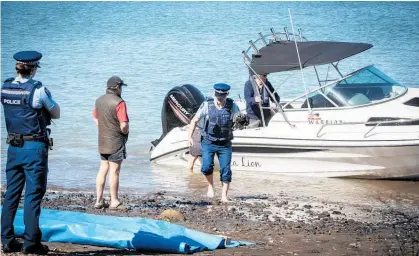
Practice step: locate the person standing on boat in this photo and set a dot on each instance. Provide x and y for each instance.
(111, 119)
(253, 99)
(216, 116)
(28, 110)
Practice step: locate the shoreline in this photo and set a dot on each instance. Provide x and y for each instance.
(280, 224)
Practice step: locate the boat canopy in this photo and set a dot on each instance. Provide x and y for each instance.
(282, 56)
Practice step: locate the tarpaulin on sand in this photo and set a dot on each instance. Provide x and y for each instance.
(122, 232)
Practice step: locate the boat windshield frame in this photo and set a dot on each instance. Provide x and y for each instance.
(336, 82)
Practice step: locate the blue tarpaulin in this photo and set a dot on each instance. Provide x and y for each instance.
(122, 232)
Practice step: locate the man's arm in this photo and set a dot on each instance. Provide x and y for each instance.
(94, 114)
(249, 93)
(192, 127)
(121, 112)
(124, 127)
(199, 114)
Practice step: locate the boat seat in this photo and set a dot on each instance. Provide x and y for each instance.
(375, 93)
(317, 101)
(358, 99)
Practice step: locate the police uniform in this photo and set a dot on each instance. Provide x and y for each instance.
(217, 133)
(26, 103)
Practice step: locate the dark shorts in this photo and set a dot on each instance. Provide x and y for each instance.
(195, 150)
(120, 155)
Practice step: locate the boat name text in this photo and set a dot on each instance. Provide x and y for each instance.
(325, 121)
(246, 163)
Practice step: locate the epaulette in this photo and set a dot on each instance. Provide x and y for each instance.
(35, 83)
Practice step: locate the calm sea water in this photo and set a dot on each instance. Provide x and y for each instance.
(155, 46)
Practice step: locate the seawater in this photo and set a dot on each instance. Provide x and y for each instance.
(155, 46)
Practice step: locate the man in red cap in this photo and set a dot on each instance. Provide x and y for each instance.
(111, 118)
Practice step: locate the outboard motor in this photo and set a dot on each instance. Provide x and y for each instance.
(179, 107)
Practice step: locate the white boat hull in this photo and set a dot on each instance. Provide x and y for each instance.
(339, 144)
(356, 162)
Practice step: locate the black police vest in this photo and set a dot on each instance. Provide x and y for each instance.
(21, 117)
(218, 127)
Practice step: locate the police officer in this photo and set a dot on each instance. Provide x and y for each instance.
(216, 116)
(28, 109)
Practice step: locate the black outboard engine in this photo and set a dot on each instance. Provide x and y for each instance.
(179, 107)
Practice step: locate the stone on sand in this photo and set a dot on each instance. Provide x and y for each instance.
(171, 215)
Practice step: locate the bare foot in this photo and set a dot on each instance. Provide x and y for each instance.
(210, 192)
(224, 200)
(190, 170)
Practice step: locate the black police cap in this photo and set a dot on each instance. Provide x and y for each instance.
(28, 57)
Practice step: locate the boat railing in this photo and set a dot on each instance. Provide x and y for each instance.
(275, 37)
(375, 125)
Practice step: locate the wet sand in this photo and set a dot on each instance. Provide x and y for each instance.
(278, 224)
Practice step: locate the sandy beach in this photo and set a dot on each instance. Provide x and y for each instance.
(280, 224)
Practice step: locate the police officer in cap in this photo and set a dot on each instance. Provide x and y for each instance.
(216, 116)
(28, 110)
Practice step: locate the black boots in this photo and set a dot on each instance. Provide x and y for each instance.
(12, 246)
(16, 246)
(36, 249)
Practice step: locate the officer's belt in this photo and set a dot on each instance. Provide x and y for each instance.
(31, 137)
(218, 143)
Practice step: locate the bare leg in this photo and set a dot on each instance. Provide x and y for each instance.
(191, 163)
(101, 179)
(210, 181)
(114, 168)
(224, 198)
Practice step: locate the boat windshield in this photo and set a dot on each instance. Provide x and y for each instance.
(365, 86)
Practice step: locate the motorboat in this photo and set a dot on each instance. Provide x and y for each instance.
(362, 124)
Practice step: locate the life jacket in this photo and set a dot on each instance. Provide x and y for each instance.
(111, 138)
(21, 117)
(218, 126)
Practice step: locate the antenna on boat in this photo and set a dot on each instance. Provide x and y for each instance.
(262, 38)
(300, 34)
(287, 34)
(253, 46)
(246, 56)
(273, 35)
(299, 60)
